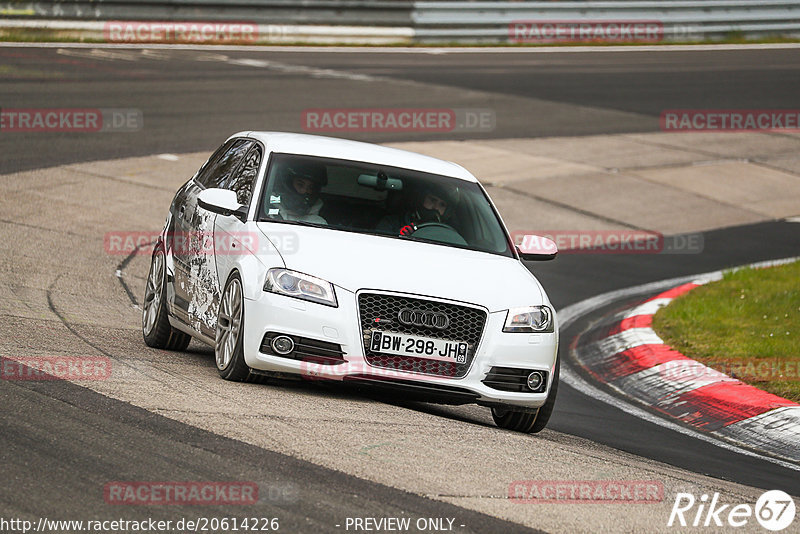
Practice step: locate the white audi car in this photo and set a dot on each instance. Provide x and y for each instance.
(339, 260)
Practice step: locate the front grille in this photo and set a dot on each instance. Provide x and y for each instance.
(305, 349)
(512, 379)
(465, 324)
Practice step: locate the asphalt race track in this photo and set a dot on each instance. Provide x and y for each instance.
(58, 443)
(190, 99)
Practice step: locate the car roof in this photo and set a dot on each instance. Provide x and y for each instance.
(331, 147)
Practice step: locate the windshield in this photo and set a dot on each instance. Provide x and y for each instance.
(382, 200)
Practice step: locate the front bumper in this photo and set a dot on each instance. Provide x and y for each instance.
(277, 313)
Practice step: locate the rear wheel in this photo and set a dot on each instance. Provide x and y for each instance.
(529, 422)
(157, 331)
(229, 345)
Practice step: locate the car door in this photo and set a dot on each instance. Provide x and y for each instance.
(196, 284)
(232, 235)
(177, 234)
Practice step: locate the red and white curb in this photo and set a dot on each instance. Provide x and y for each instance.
(628, 356)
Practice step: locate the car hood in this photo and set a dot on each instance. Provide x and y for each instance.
(356, 261)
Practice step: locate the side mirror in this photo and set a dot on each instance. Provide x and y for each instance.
(537, 248)
(221, 202)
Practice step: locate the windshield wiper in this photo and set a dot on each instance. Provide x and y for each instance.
(299, 223)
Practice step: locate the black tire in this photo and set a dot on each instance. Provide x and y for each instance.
(529, 422)
(156, 330)
(228, 352)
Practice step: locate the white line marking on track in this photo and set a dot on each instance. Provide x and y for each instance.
(301, 69)
(106, 55)
(248, 62)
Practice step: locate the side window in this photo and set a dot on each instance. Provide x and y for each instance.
(217, 173)
(210, 161)
(242, 183)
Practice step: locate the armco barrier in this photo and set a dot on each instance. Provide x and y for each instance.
(323, 12)
(682, 20)
(433, 21)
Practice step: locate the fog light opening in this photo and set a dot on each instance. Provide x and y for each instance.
(535, 380)
(282, 345)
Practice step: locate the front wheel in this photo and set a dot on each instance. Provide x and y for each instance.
(157, 331)
(529, 422)
(229, 345)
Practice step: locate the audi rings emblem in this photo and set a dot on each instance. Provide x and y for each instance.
(426, 319)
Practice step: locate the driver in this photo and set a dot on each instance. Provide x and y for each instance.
(433, 204)
(296, 193)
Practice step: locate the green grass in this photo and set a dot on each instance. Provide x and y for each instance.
(43, 36)
(748, 319)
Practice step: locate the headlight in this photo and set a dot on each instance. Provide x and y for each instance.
(300, 286)
(533, 319)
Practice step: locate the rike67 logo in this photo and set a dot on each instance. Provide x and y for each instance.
(774, 510)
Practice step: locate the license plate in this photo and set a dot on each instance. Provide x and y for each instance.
(418, 347)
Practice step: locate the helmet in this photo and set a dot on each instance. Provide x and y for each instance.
(438, 209)
(294, 181)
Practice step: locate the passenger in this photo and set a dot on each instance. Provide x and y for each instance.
(296, 194)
